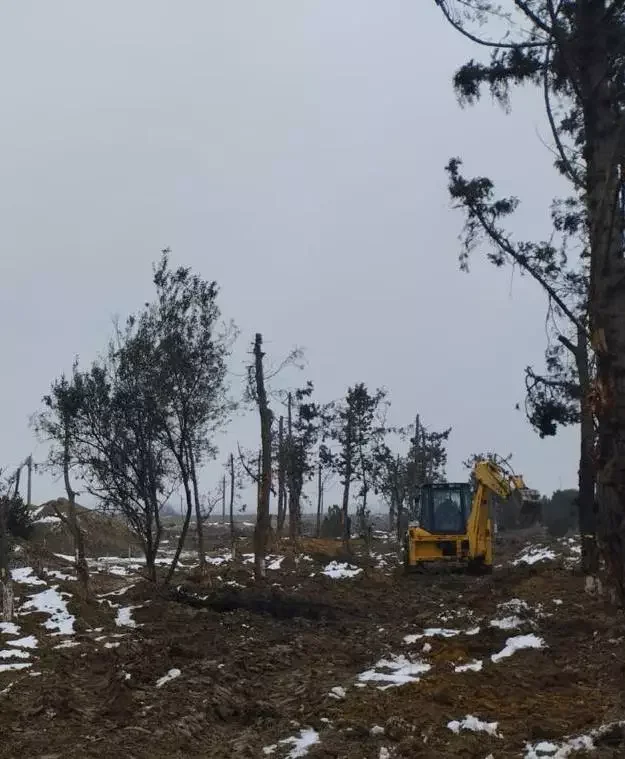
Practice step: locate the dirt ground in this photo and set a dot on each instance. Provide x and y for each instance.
(257, 664)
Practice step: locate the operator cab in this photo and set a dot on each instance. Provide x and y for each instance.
(444, 508)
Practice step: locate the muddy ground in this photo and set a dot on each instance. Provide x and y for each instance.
(257, 665)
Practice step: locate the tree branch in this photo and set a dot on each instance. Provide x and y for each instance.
(485, 43)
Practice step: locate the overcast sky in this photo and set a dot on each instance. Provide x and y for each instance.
(294, 151)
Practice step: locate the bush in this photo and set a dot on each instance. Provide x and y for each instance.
(18, 515)
(332, 525)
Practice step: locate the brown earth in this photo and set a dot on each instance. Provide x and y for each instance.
(257, 664)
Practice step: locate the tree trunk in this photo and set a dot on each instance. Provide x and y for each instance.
(294, 517)
(183, 534)
(603, 129)
(319, 500)
(281, 478)
(199, 527)
(261, 531)
(346, 524)
(233, 540)
(223, 500)
(6, 583)
(82, 568)
(586, 473)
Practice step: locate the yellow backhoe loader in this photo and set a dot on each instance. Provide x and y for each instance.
(456, 525)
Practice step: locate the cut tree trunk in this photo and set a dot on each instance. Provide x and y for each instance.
(262, 529)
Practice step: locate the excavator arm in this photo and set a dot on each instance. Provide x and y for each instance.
(491, 478)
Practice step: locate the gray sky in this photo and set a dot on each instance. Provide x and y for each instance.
(294, 151)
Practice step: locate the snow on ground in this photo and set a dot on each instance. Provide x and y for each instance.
(51, 602)
(55, 574)
(438, 632)
(48, 520)
(307, 738)
(276, 563)
(171, 675)
(15, 653)
(474, 724)
(533, 554)
(26, 576)
(562, 749)
(119, 592)
(12, 666)
(124, 616)
(337, 692)
(339, 571)
(472, 666)
(507, 623)
(517, 643)
(9, 628)
(398, 671)
(29, 642)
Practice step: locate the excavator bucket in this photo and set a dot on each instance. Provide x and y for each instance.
(531, 510)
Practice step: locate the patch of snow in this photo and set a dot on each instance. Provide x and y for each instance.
(10, 667)
(337, 692)
(376, 730)
(427, 647)
(15, 653)
(124, 616)
(534, 554)
(29, 642)
(9, 628)
(515, 605)
(561, 750)
(384, 753)
(307, 738)
(276, 563)
(472, 666)
(507, 623)
(431, 632)
(59, 575)
(51, 602)
(338, 571)
(473, 631)
(475, 725)
(66, 557)
(68, 644)
(111, 645)
(268, 750)
(48, 520)
(171, 675)
(218, 560)
(517, 643)
(558, 601)
(402, 671)
(119, 592)
(26, 576)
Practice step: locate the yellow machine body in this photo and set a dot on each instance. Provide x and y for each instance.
(456, 525)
